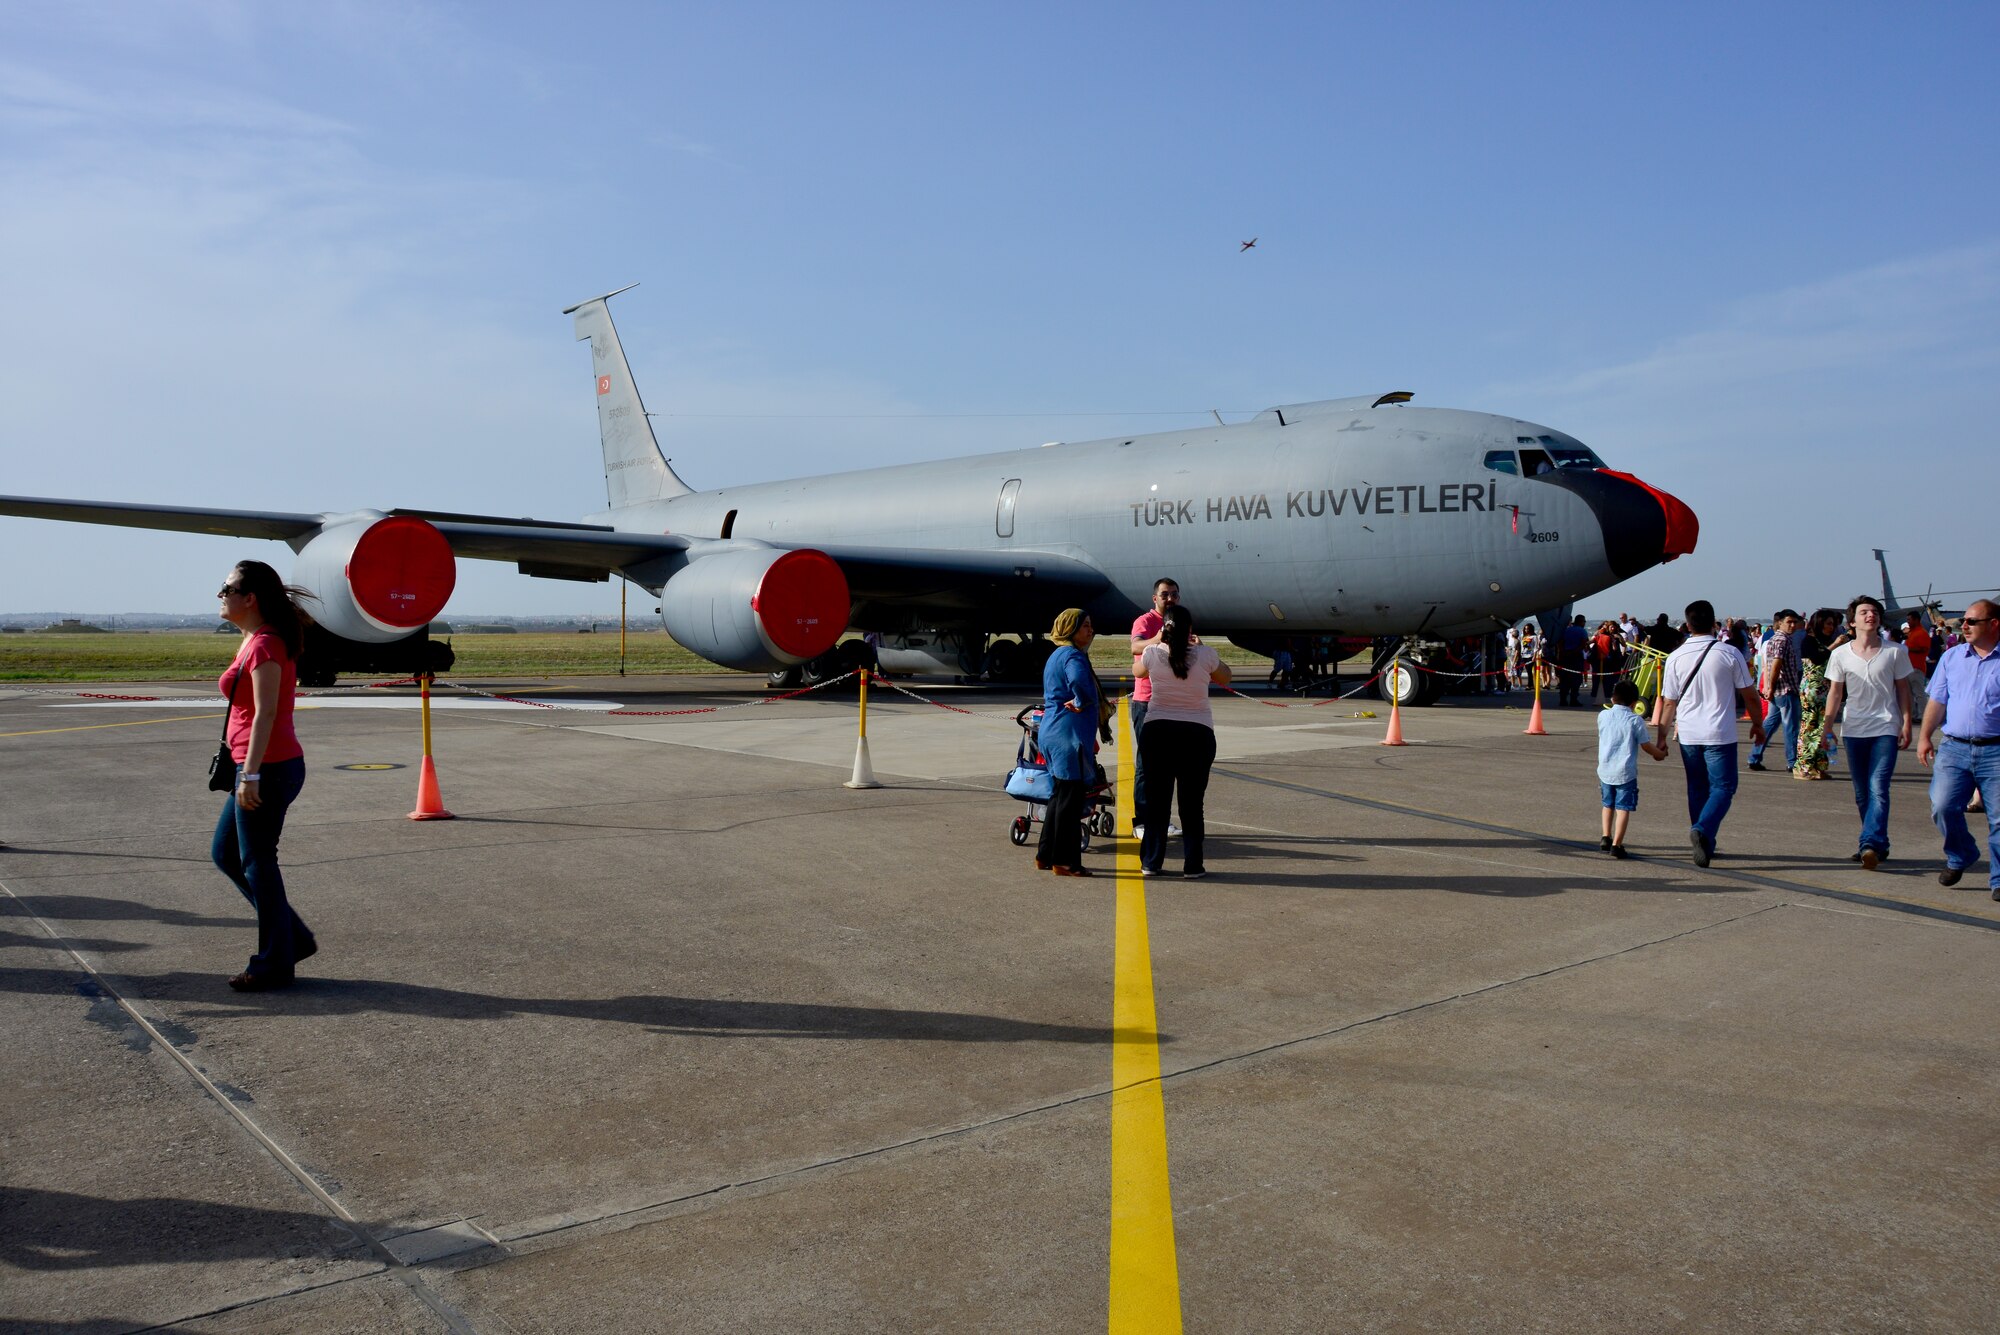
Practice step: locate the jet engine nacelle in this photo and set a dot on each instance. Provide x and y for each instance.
(757, 609)
(376, 578)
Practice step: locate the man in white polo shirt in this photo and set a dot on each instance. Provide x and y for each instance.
(1705, 683)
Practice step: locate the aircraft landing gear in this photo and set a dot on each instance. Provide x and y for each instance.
(1406, 678)
(1015, 662)
(844, 658)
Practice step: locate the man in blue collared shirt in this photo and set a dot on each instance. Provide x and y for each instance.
(1965, 699)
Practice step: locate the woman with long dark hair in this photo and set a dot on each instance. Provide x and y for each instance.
(270, 766)
(1178, 740)
(1815, 651)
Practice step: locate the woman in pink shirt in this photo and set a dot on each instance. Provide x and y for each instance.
(1178, 741)
(270, 767)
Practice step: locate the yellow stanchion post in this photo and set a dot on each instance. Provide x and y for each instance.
(430, 804)
(864, 773)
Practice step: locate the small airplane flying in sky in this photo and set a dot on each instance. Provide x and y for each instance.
(1246, 245)
(1356, 516)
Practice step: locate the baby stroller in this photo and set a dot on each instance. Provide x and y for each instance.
(1029, 782)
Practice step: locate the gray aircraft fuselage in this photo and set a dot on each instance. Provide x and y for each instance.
(1336, 517)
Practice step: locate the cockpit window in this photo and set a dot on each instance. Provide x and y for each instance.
(1502, 461)
(1571, 456)
(1540, 454)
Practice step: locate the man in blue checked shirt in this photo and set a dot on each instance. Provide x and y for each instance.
(1965, 700)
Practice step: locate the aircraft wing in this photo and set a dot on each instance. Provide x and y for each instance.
(999, 582)
(274, 524)
(489, 537)
(1002, 582)
(539, 543)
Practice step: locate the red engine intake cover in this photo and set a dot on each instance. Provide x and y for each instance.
(802, 603)
(402, 572)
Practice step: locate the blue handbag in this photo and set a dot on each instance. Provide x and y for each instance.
(1031, 783)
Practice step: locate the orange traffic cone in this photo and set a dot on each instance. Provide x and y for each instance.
(1535, 728)
(1395, 737)
(430, 806)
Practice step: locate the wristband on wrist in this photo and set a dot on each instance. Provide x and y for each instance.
(248, 778)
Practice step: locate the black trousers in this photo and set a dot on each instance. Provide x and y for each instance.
(1178, 758)
(1569, 679)
(1062, 825)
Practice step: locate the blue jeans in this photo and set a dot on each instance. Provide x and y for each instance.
(1784, 713)
(246, 849)
(1957, 771)
(1711, 776)
(1870, 763)
(1138, 762)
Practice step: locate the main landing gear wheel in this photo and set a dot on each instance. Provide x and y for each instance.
(1403, 684)
(1400, 684)
(784, 679)
(1018, 831)
(1004, 661)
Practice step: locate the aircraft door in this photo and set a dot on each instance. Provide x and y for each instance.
(1003, 515)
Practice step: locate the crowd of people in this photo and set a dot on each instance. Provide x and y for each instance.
(1840, 676)
(1836, 677)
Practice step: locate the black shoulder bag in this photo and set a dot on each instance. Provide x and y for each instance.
(222, 765)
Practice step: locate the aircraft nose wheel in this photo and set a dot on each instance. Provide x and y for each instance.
(1018, 831)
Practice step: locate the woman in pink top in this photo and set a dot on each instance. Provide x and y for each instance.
(1178, 741)
(270, 767)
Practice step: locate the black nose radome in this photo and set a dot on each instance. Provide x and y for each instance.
(1642, 527)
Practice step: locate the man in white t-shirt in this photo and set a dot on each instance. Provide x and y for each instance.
(1870, 676)
(1706, 681)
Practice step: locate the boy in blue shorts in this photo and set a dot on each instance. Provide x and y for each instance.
(1621, 736)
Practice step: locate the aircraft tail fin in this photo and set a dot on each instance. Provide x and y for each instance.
(634, 469)
(1888, 594)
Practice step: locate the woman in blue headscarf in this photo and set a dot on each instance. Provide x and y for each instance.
(1068, 740)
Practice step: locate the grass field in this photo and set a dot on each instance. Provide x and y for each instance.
(197, 656)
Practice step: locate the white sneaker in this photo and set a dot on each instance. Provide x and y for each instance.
(1173, 830)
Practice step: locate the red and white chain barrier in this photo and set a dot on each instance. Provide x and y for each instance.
(651, 713)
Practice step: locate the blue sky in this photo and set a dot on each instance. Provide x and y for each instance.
(313, 257)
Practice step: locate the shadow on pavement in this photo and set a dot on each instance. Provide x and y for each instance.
(60, 1230)
(662, 1014)
(95, 908)
(92, 944)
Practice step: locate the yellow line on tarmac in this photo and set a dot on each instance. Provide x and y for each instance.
(1145, 1274)
(87, 727)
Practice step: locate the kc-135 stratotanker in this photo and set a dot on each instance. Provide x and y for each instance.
(1365, 516)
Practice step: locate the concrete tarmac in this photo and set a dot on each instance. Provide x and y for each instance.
(670, 1031)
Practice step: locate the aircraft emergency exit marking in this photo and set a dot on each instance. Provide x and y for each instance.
(1412, 498)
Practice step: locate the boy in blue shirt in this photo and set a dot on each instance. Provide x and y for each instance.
(1621, 735)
